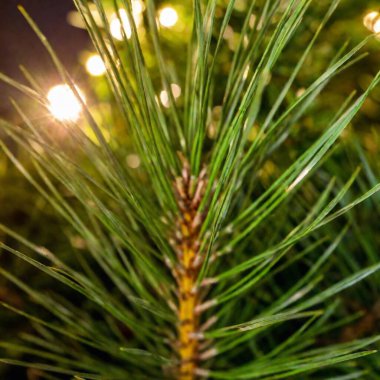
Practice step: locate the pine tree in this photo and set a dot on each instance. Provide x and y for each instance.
(203, 262)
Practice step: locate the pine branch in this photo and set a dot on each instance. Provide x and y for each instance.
(195, 265)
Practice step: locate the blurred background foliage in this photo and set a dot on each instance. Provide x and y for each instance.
(23, 209)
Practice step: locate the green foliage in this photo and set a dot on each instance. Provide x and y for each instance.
(268, 239)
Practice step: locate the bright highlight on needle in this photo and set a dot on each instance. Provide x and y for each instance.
(95, 65)
(168, 17)
(64, 104)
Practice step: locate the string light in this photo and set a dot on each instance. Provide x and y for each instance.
(95, 65)
(119, 22)
(168, 17)
(64, 104)
(372, 21)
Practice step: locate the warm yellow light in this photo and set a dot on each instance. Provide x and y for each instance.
(168, 17)
(300, 92)
(64, 104)
(164, 96)
(369, 18)
(372, 21)
(95, 65)
(376, 26)
(176, 90)
(120, 22)
(228, 33)
(133, 161)
(137, 7)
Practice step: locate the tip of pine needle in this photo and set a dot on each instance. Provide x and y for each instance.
(21, 9)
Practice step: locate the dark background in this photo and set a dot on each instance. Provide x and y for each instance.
(19, 44)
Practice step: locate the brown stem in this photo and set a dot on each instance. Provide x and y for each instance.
(189, 192)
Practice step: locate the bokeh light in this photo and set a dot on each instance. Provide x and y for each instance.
(164, 96)
(133, 161)
(168, 17)
(137, 7)
(95, 65)
(64, 104)
(372, 21)
(119, 23)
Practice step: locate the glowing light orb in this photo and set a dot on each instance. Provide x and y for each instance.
(133, 161)
(119, 22)
(95, 65)
(164, 96)
(176, 90)
(372, 21)
(137, 7)
(168, 17)
(64, 105)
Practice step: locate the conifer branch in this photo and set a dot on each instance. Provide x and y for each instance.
(189, 191)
